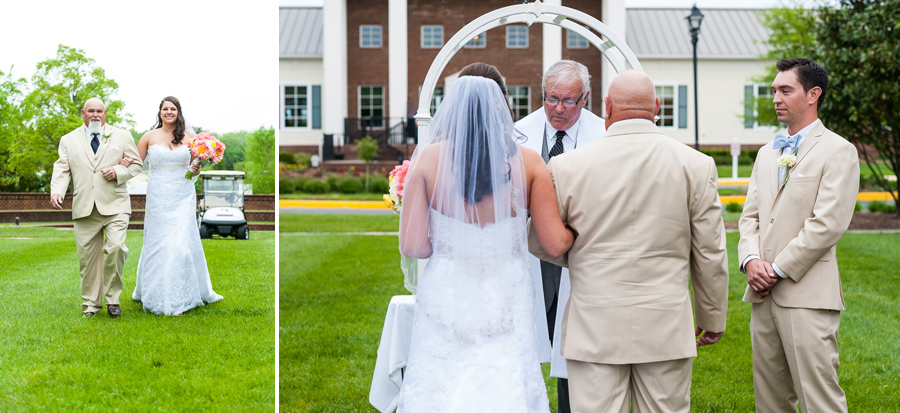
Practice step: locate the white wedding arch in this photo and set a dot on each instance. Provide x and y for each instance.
(613, 48)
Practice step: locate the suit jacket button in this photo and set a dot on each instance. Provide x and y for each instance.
(772, 221)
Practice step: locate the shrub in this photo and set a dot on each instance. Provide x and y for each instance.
(286, 158)
(332, 182)
(723, 156)
(303, 160)
(300, 181)
(379, 185)
(286, 185)
(350, 185)
(878, 206)
(857, 207)
(315, 186)
(734, 207)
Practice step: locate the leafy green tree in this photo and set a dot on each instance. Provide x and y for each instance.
(858, 45)
(791, 36)
(367, 148)
(11, 116)
(259, 160)
(59, 89)
(234, 150)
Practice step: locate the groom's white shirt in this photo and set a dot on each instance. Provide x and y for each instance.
(537, 129)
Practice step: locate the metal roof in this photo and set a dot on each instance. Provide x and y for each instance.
(725, 34)
(300, 32)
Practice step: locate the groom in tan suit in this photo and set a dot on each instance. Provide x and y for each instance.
(90, 157)
(792, 220)
(648, 221)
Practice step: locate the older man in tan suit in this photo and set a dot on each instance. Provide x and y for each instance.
(649, 222)
(793, 218)
(90, 157)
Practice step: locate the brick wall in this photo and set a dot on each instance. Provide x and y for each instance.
(17, 201)
(520, 67)
(366, 66)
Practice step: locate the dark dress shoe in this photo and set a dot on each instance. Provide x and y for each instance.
(113, 310)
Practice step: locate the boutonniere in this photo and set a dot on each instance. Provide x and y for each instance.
(787, 162)
(106, 135)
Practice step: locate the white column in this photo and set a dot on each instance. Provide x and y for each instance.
(398, 74)
(614, 17)
(552, 40)
(334, 66)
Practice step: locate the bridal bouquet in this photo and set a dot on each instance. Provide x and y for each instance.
(205, 147)
(394, 199)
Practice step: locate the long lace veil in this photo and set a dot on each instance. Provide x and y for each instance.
(472, 172)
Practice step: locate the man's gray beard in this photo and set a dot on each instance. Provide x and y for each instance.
(95, 127)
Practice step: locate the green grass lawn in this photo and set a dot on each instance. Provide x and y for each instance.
(335, 290)
(219, 357)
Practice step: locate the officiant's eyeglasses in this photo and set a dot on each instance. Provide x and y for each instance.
(569, 103)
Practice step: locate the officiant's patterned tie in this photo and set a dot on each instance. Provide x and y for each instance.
(95, 142)
(558, 146)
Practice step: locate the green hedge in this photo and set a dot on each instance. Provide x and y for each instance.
(723, 156)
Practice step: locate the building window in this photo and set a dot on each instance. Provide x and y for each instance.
(756, 96)
(517, 37)
(575, 40)
(666, 95)
(296, 106)
(371, 104)
(432, 37)
(519, 101)
(478, 42)
(370, 36)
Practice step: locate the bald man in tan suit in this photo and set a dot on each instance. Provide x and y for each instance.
(89, 156)
(647, 213)
(792, 221)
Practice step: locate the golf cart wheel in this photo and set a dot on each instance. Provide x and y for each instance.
(204, 231)
(243, 232)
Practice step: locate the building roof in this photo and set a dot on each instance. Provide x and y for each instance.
(724, 34)
(300, 32)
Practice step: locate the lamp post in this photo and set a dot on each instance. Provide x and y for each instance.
(694, 20)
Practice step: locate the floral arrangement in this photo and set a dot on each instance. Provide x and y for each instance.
(394, 199)
(787, 162)
(205, 147)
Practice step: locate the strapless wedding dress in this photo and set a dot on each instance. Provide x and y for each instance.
(474, 339)
(172, 276)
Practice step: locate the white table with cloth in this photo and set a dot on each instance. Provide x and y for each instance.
(392, 353)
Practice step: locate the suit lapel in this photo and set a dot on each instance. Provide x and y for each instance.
(809, 142)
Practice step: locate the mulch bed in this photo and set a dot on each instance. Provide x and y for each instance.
(862, 221)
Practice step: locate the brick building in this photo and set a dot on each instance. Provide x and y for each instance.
(376, 53)
(351, 68)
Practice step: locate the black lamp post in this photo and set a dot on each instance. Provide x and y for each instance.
(694, 20)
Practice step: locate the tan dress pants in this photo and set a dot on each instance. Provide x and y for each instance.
(101, 278)
(663, 386)
(795, 359)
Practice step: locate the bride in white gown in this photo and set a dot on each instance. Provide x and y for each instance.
(172, 276)
(465, 203)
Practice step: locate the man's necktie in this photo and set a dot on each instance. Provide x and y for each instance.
(95, 142)
(558, 146)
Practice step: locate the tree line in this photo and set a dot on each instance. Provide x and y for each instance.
(36, 113)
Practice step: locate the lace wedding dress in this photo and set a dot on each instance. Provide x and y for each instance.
(172, 276)
(474, 337)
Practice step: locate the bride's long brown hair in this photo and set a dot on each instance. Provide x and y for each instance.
(178, 133)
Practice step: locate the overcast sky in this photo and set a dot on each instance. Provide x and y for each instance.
(218, 57)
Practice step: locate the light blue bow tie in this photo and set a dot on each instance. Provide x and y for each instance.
(782, 141)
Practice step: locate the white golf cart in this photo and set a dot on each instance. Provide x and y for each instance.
(222, 207)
